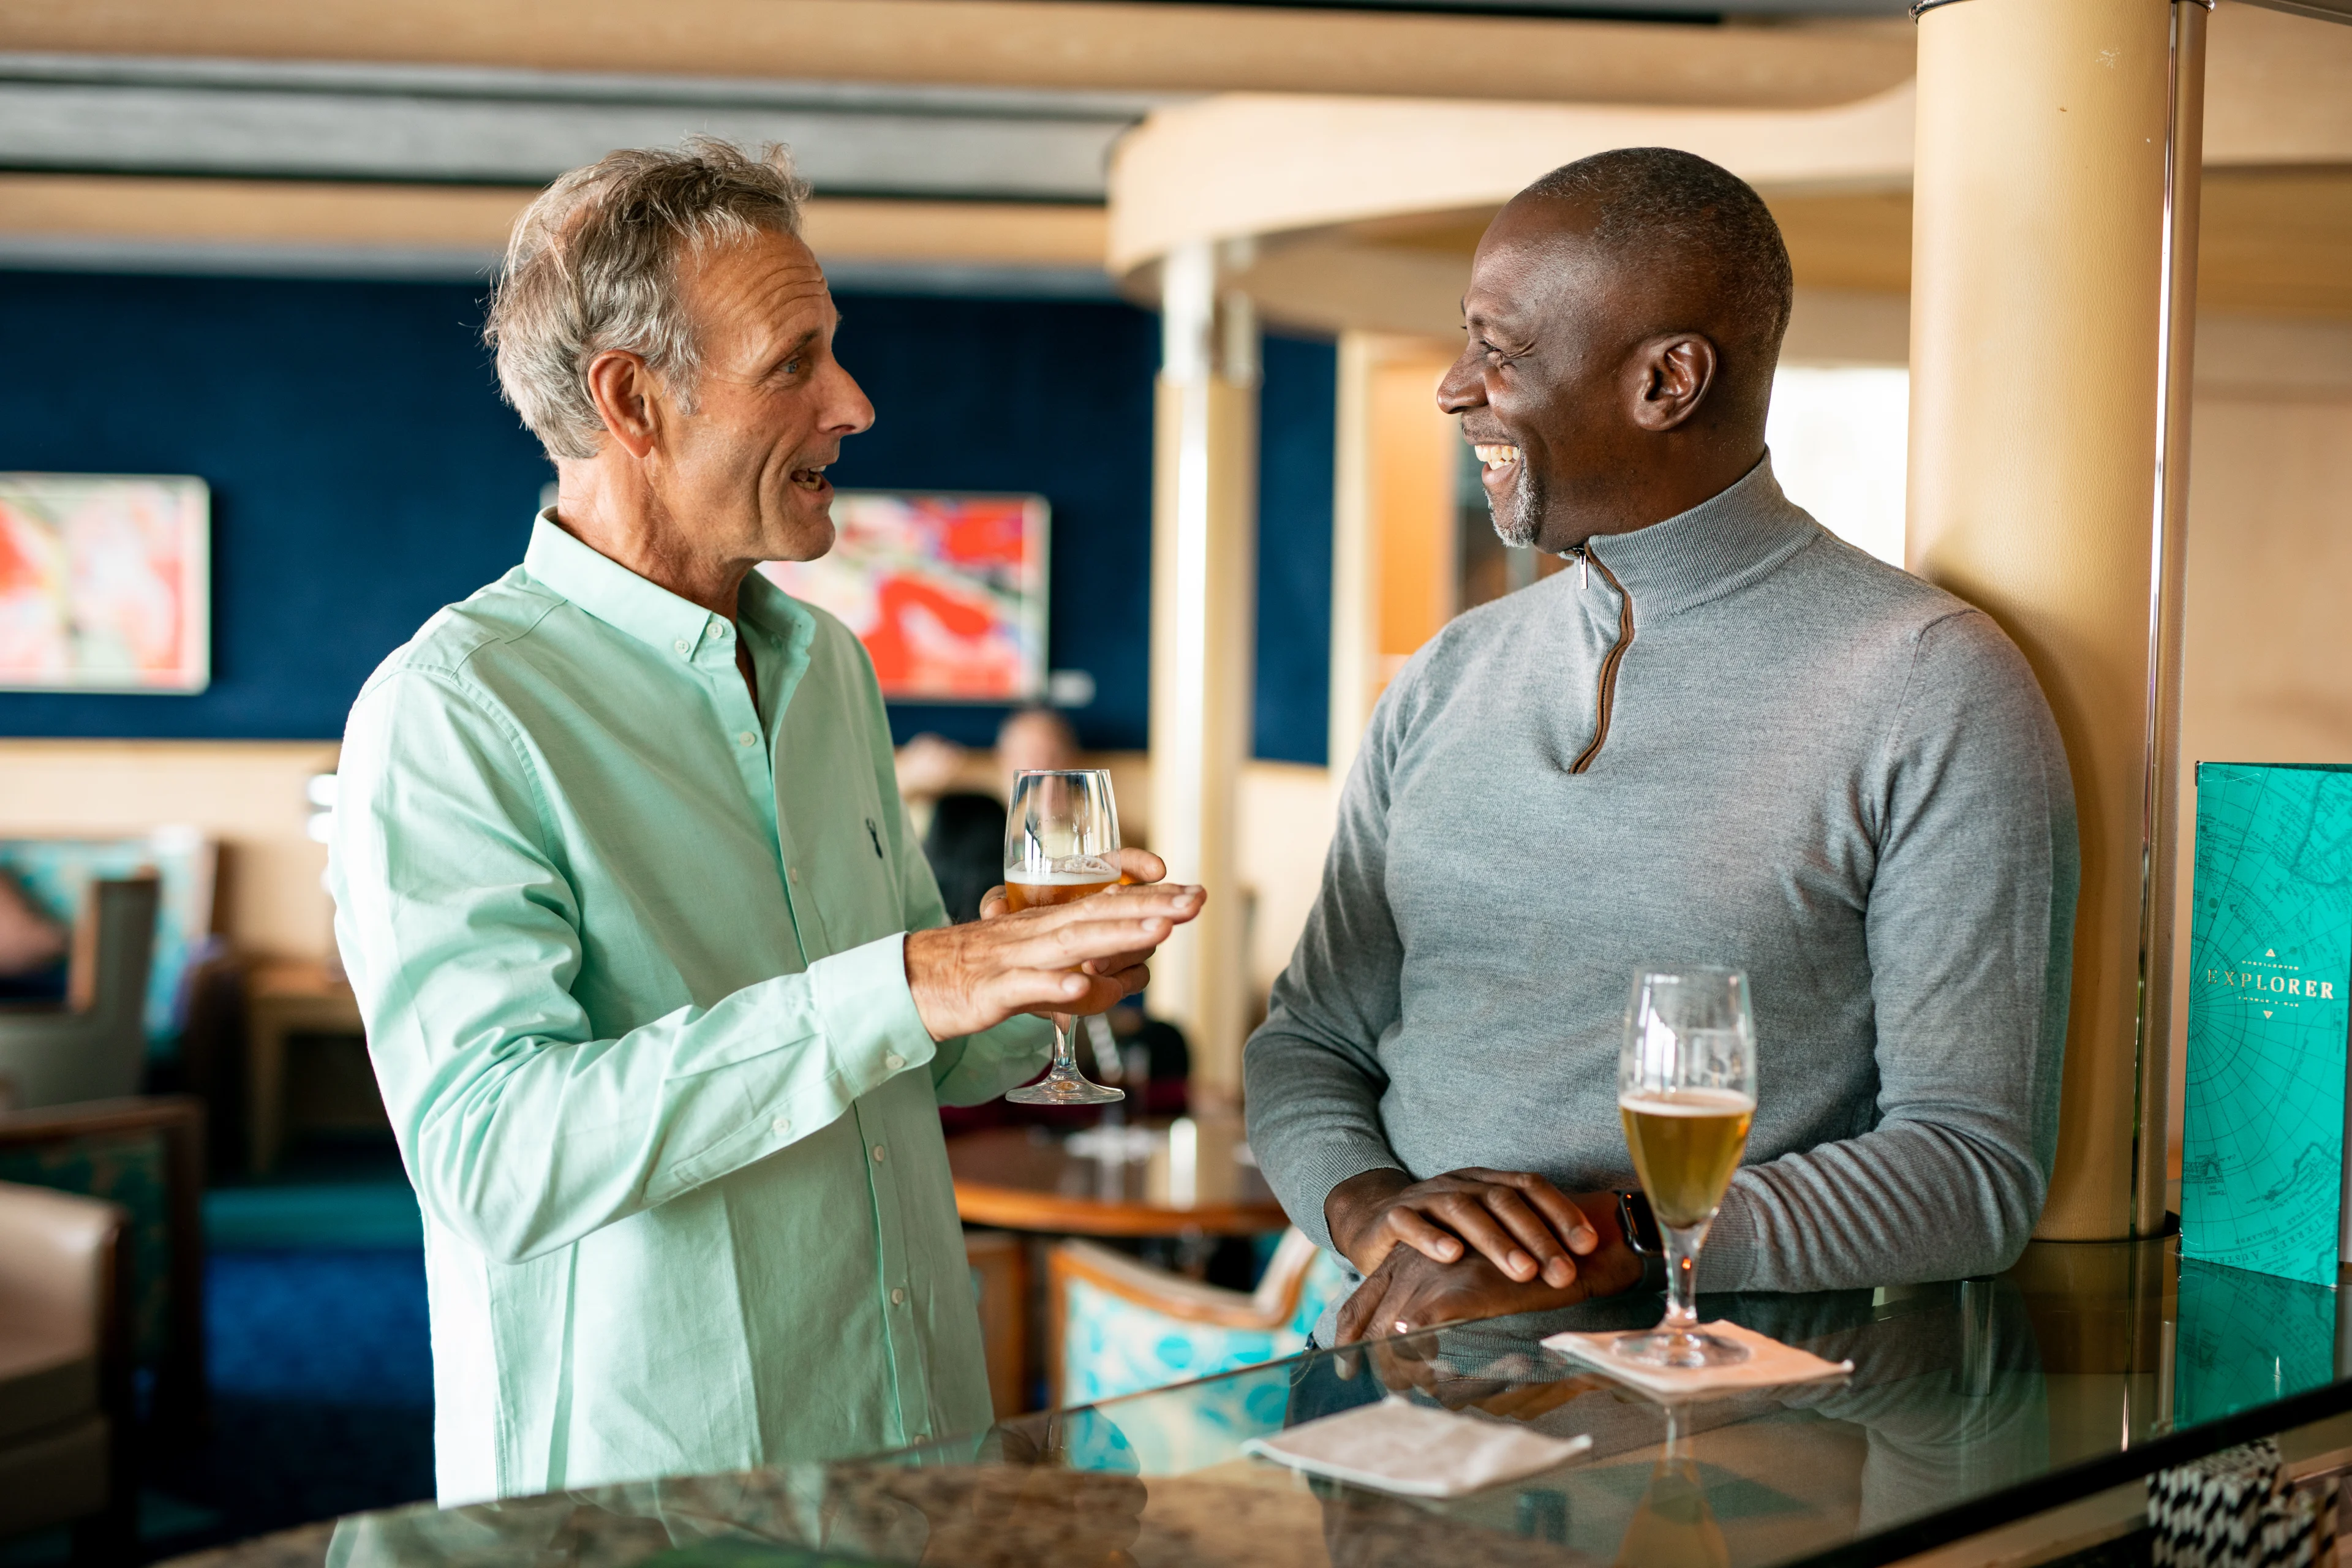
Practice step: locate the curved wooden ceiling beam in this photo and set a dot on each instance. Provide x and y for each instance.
(1253, 164)
(1079, 44)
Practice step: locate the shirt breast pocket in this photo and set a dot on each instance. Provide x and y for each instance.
(861, 888)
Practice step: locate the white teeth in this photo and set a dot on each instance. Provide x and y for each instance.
(1496, 457)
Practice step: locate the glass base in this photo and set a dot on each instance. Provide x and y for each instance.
(1058, 1087)
(1678, 1349)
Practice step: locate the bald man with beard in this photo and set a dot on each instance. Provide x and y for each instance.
(1721, 736)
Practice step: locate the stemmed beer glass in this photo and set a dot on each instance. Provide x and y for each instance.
(1686, 1092)
(1059, 838)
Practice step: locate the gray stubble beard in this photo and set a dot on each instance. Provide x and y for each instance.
(1521, 528)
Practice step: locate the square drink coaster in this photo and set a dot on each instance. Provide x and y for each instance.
(1415, 1450)
(1769, 1363)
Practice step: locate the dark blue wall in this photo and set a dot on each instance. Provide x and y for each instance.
(1297, 424)
(364, 473)
(1053, 396)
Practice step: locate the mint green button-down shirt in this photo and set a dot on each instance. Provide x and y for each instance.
(629, 953)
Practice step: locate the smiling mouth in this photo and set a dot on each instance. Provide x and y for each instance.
(1494, 459)
(810, 479)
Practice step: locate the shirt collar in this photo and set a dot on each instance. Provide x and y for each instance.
(646, 611)
(1737, 536)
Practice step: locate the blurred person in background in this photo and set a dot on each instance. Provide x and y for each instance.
(963, 838)
(659, 992)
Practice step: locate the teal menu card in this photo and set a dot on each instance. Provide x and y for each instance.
(2270, 997)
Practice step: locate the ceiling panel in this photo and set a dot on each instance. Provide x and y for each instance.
(249, 119)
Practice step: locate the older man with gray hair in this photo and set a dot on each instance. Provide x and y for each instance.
(656, 982)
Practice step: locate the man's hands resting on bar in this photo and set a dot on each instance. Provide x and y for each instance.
(1529, 1248)
(1075, 958)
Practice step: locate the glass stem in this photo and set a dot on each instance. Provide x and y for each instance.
(1682, 1243)
(1065, 1061)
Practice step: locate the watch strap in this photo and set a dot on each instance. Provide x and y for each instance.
(1639, 1226)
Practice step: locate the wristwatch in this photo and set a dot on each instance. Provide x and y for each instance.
(1639, 1226)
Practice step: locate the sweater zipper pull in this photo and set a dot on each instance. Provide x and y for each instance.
(1583, 567)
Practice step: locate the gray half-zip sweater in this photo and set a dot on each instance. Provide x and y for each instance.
(1803, 763)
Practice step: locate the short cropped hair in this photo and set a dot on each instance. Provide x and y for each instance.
(1668, 205)
(593, 264)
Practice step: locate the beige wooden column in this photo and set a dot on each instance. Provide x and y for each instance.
(1203, 599)
(2039, 316)
(1393, 550)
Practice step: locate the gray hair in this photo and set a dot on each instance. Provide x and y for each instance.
(593, 266)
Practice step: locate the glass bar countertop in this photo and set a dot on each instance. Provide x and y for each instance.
(1971, 1405)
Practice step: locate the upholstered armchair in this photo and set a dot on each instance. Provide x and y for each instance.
(65, 1368)
(94, 1045)
(1120, 1326)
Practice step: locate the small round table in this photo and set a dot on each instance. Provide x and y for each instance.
(1194, 1178)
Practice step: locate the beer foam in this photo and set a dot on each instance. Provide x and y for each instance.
(1078, 876)
(1689, 1102)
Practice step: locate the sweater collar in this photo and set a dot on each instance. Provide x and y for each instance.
(1736, 537)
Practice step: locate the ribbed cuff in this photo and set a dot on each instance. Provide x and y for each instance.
(1313, 1178)
(1728, 1260)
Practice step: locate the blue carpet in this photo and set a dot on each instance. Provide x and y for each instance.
(345, 1326)
(322, 1371)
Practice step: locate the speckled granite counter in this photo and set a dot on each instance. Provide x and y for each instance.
(1971, 1405)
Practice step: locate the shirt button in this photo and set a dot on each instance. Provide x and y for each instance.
(747, 738)
(794, 873)
(880, 1153)
(682, 647)
(721, 630)
(894, 1061)
(897, 1298)
(781, 1125)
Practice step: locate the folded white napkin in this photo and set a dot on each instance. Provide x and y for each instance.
(1769, 1363)
(1416, 1450)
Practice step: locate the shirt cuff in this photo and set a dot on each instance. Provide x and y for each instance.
(871, 1028)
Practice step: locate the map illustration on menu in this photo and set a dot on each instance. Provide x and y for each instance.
(2262, 1182)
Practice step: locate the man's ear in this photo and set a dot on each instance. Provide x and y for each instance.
(1676, 371)
(627, 395)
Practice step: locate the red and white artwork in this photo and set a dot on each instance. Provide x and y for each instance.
(104, 582)
(946, 592)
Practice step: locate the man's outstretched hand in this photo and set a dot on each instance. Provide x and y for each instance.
(1530, 1231)
(1410, 1291)
(1076, 958)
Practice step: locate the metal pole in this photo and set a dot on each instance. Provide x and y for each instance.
(2168, 548)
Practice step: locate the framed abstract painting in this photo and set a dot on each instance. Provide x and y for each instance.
(105, 582)
(946, 591)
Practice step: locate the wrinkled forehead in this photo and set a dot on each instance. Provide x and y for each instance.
(768, 281)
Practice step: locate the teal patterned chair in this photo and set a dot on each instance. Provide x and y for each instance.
(1118, 1326)
(92, 1045)
(58, 875)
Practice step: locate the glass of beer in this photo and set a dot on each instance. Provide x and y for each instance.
(1058, 836)
(1686, 1092)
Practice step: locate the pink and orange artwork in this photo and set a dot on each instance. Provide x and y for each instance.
(946, 592)
(104, 582)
